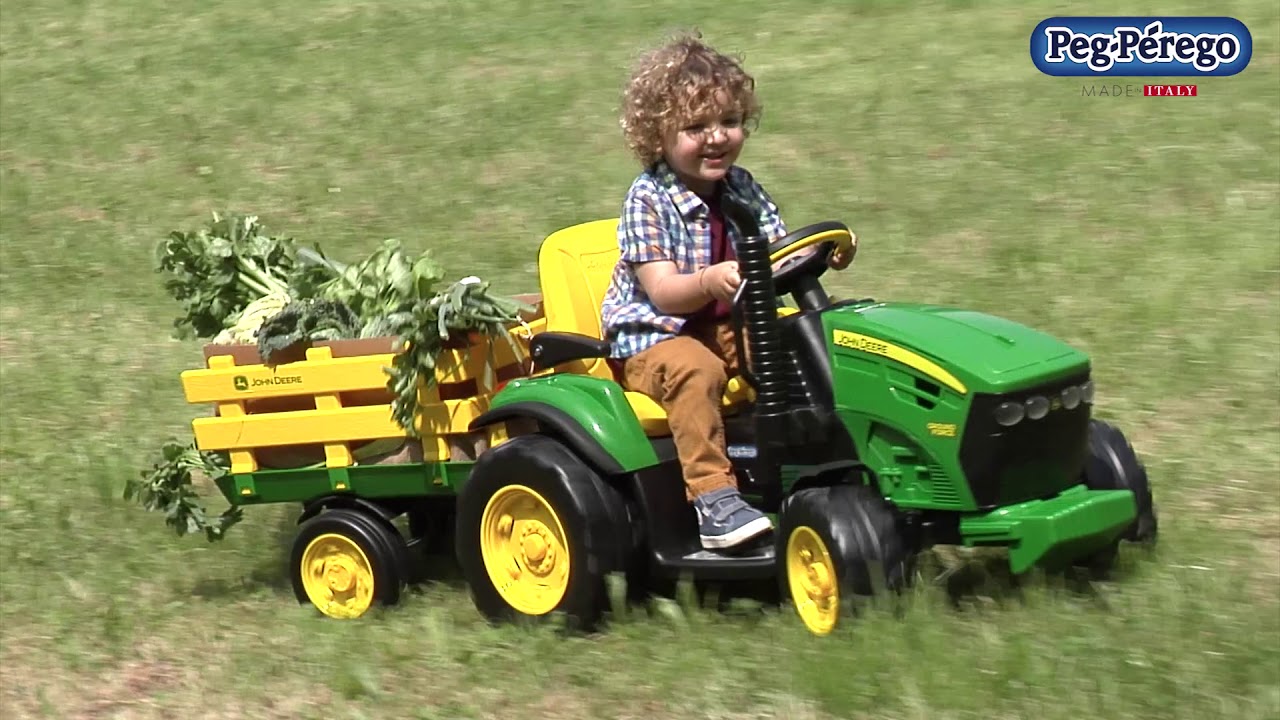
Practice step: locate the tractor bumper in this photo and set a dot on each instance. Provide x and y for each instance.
(1054, 531)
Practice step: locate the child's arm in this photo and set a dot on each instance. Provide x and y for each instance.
(645, 243)
(675, 293)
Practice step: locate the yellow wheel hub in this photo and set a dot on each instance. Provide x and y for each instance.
(811, 576)
(525, 550)
(337, 576)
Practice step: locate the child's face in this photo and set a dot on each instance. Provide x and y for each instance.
(702, 150)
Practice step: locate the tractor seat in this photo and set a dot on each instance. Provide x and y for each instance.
(653, 419)
(575, 265)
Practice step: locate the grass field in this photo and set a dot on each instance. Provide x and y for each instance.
(1145, 231)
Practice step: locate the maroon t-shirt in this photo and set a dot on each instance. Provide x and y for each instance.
(721, 251)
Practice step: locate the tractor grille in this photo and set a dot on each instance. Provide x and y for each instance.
(940, 486)
(1032, 459)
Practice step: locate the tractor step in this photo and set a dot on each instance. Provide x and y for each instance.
(707, 555)
(671, 532)
(757, 562)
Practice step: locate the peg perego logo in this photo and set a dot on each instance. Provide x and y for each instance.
(1141, 46)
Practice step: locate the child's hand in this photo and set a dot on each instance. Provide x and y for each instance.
(721, 280)
(840, 260)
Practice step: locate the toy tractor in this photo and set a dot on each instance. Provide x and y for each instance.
(870, 429)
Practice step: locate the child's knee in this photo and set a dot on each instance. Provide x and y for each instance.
(698, 370)
(695, 389)
(683, 363)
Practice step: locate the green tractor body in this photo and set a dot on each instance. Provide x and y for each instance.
(970, 429)
(919, 389)
(914, 391)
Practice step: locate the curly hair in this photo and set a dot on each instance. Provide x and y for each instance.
(675, 83)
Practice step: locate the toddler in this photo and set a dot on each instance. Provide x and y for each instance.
(686, 113)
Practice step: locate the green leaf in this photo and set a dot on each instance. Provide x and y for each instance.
(215, 271)
(428, 324)
(302, 322)
(167, 488)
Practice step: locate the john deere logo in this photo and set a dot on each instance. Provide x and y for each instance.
(242, 382)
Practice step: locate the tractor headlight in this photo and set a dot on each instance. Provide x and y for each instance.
(1071, 397)
(1086, 392)
(1010, 413)
(1037, 407)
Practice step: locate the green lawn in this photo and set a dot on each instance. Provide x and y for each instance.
(1144, 230)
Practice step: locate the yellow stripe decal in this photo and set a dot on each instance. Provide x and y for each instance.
(842, 237)
(876, 346)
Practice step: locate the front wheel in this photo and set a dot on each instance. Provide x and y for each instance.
(536, 533)
(1113, 465)
(835, 544)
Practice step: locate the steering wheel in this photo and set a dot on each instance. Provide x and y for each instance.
(799, 258)
(795, 256)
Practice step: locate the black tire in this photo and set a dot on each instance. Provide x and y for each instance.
(859, 533)
(1113, 465)
(359, 538)
(558, 498)
(391, 538)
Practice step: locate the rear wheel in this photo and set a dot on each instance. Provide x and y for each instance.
(536, 533)
(835, 544)
(344, 562)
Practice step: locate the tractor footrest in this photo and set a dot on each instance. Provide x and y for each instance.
(671, 529)
(755, 563)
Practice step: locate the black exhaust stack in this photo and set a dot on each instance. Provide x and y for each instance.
(756, 313)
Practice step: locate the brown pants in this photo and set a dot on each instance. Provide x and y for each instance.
(686, 375)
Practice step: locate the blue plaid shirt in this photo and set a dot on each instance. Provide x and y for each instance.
(664, 220)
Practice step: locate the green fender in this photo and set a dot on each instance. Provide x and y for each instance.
(589, 414)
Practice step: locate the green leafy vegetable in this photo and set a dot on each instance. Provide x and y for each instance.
(303, 321)
(218, 270)
(237, 284)
(383, 283)
(167, 488)
(465, 307)
(395, 295)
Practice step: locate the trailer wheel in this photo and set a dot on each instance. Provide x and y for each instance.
(344, 562)
(535, 533)
(834, 544)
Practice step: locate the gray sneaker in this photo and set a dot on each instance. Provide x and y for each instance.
(725, 519)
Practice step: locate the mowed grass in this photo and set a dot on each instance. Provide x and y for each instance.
(1145, 231)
